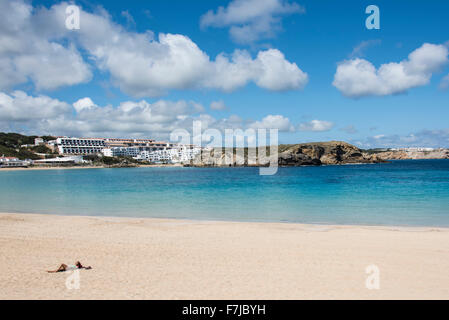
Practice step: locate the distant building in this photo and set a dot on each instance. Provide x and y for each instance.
(52, 145)
(80, 146)
(61, 160)
(85, 146)
(113, 142)
(140, 149)
(157, 156)
(6, 162)
(413, 149)
(121, 152)
(186, 153)
(38, 141)
(177, 154)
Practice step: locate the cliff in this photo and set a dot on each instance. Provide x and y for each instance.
(324, 153)
(306, 154)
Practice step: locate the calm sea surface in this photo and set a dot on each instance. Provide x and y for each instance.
(413, 193)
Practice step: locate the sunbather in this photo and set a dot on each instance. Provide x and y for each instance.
(65, 267)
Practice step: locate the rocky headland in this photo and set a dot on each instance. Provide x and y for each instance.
(306, 154)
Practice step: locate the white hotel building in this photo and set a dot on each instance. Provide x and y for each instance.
(80, 146)
(139, 149)
(168, 154)
(6, 162)
(121, 151)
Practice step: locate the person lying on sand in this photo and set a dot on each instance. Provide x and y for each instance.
(65, 267)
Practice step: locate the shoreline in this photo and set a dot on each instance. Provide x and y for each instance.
(87, 167)
(392, 227)
(6, 169)
(148, 258)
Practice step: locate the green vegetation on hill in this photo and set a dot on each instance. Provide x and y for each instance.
(10, 146)
(110, 161)
(20, 153)
(41, 149)
(48, 138)
(15, 140)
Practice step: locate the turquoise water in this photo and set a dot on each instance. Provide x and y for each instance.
(414, 193)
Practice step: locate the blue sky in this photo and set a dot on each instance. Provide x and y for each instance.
(312, 102)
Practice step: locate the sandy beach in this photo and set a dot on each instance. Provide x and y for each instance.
(177, 259)
(86, 167)
(48, 168)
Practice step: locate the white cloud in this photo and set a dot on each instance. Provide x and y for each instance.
(85, 103)
(278, 74)
(138, 63)
(270, 70)
(358, 77)
(273, 122)
(42, 114)
(316, 126)
(28, 51)
(250, 20)
(218, 105)
(144, 66)
(20, 107)
(150, 68)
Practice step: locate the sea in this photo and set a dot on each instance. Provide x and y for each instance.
(399, 193)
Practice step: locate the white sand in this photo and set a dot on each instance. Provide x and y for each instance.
(6, 169)
(47, 168)
(173, 259)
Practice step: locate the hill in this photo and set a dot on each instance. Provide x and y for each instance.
(10, 146)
